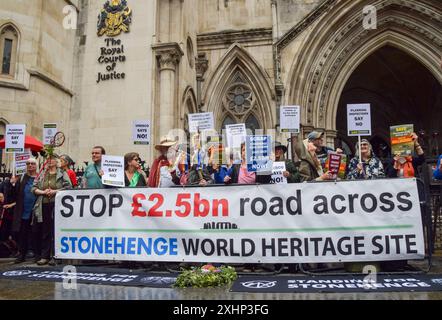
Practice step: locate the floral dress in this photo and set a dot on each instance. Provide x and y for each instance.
(373, 169)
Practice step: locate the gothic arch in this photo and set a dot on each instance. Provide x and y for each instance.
(320, 72)
(237, 62)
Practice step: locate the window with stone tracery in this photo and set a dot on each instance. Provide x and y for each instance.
(239, 104)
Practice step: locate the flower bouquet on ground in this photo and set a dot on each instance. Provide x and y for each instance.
(206, 276)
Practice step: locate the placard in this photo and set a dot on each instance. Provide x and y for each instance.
(235, 135)
(49, 131)
(401, 140)
(20, 160)
(289, 118)
(359, 119)
(334, 164)
(141, 132)
(15, 138)
(200, 122)
(278, 173)
(258, 152)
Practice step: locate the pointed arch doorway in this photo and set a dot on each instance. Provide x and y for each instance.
(400, 90)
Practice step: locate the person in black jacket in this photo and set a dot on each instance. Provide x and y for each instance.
(406, 167)
(240, 175)
(133, 175)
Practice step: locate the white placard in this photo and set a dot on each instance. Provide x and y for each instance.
(15, 138)
(359, 119)
(278, 173)
(289, 118)
(258, 154)
(200, 122)
(113, 169)
(141, 132)
(20, 162)
(235, 135)
(49, 131)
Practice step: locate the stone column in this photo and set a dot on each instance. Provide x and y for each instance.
(330, 136)
(168, 57)
(201, 66)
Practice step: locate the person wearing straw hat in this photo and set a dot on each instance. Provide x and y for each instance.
(161, 166)
(291, 173)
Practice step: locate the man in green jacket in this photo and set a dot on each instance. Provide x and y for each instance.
(291, 173)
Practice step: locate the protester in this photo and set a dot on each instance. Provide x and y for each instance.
(162, 172)
(45, 187)
(134, 176)
(437, 173)
(25, 201)
(220, 171)
(240, 174)
(291, 172)
(92, 173)
(369, 168)
(310, 167)
(321, 151)
(65, 164)
(406, 167)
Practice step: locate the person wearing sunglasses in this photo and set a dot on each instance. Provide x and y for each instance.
(134, 176)
(369, 167)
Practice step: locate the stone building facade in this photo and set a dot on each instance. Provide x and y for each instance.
(240, 59)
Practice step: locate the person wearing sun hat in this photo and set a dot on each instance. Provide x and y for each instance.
(162, 161)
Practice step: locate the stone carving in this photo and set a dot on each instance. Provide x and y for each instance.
(114, 18)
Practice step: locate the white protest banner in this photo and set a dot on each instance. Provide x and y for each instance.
(235, 135)
(201, 122)
(49, 131)
(359, 119)
(141, 132)
(15, 138)
(113, 169)
(368, 220)
(20, 160)
(258, 152)
(289, 118)
(278, 173)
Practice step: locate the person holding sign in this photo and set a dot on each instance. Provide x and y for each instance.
(405, 166)
(437, 173)
(291, 172)
(133, 175)
(369, 167)
(52, 180)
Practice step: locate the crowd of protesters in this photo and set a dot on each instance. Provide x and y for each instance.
(27, 201)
